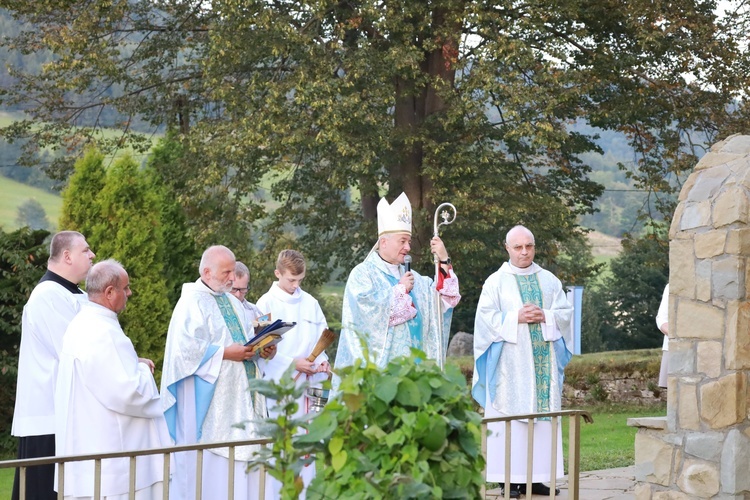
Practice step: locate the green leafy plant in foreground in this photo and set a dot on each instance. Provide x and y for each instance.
(286, 456)
(407, 431)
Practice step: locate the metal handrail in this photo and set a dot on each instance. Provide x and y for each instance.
(573, 456)
(24, 463)
(574, 447)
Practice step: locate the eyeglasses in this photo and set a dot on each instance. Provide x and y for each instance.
(518, 248)
(243, 291)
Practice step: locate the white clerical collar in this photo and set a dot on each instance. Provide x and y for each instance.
(101, 310)
(283, 295)
(202, 287)
(393, 269)
(523, 271)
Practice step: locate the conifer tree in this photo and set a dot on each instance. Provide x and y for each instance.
(131, 233)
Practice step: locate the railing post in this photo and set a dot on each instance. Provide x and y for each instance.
(131, 488)
(199, 475)
(484, 430)
(230, 486)
(574, 455)
(529, 456)
(167, 474)
(98, 479)
(553, 466)
(60, 481)
(506, 484)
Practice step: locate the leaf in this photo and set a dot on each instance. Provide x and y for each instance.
(338, 460)
(335, 444)
(435, 438)
(386, 389)
(408, 393)
(374, 432)
(320, 428)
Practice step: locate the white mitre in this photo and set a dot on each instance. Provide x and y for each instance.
(396, 217)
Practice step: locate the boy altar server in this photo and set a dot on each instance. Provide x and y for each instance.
(285, 300)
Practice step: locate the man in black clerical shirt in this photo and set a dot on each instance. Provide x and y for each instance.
(51, 306)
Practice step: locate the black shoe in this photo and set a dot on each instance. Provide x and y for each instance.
(515, 490)
(538, 489)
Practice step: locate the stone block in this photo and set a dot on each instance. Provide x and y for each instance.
(696, 215)
(728, 278)
(687, 186)
(708, 358)
(703, 280)
(670, 495)
(462, 344)
(711, 160)
(737, 144)
(653, 458)
(705, 445)
(682, 268)
(687, 407)
(672, 388)
(710, 244)
(735, 463)
(737, 339)
(698, 320)
(674, 227)
(724, 401)
(738, 241)
(699, 478)
(730, 206)
(642, 492)
(681, 358)
(708, 184)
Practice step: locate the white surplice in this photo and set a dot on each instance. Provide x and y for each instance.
(205, 397)
(106, 401)
(504, 374)
(45, 317)
(303, 309)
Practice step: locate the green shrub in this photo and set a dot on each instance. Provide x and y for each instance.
(407, 431)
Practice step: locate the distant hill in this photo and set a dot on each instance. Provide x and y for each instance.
(13, 194)
(604, 245)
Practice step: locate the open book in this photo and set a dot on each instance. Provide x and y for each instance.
(270, 334)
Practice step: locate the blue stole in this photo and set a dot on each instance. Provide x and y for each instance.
(235, 328)
(531, 293)
(414, 324)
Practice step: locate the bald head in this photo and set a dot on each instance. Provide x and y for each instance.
(518, 230)
(217, 268)
(519, 242)
(108, 285)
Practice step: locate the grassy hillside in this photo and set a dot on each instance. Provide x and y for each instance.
(13, 194)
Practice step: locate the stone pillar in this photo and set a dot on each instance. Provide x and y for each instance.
(703, 451)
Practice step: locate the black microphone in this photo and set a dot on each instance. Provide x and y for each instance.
(407, 263)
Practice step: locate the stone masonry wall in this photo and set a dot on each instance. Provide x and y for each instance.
(704, 449)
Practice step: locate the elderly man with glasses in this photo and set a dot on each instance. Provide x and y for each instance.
(239, 289)
(522, 342)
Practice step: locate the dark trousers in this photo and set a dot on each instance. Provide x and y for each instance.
(40, 480)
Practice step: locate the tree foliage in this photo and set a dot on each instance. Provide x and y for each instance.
(296, 116)
(122, 220)
(31, 214)
(622, 310)
(23, 261)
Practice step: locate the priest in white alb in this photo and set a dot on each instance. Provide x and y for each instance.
(522, 343)
(106, 399)
(205, 382)
(392, 308)
(52, 305)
